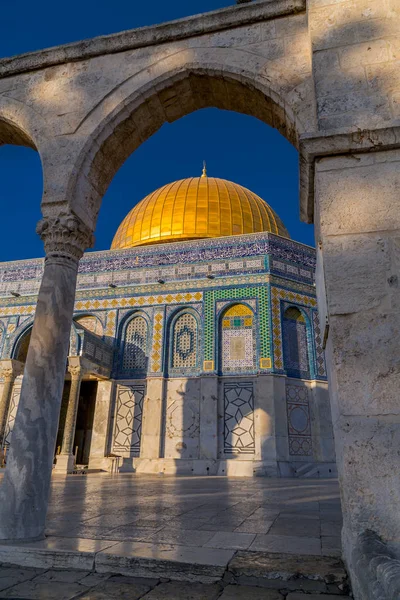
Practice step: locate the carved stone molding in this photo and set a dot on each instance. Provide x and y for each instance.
(10, 369)
(65, 235)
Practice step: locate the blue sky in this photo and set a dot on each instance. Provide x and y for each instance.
(236, 147)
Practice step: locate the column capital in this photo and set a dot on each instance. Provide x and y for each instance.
(65, 235)
(10, 369)
(76, 370)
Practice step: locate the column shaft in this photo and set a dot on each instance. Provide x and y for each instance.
(72, 411)
(25, 489)
(5, 406)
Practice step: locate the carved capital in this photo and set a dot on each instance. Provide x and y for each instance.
(76, 371)
(65, 235)
(10, 369)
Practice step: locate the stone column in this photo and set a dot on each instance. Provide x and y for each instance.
(153, 415)
(24, 491)
(9, 370)
(358, 226)
(66, 460)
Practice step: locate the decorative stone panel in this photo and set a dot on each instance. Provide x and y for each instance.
(320, 355)
(12, 413)
(239, 418)
(299, 423)
(128, 424)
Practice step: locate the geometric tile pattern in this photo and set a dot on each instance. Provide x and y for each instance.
(184, 352)
(320, 355)
(278, 295)
(128, 424)
(139, 301)
(239, 418)
(299, 424)
(157, 349)
(295, 350)
(238, 347)
(135, 345)
(240, 293)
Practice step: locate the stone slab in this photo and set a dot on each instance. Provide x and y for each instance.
(30, 590)
(184, 591)
(286, 567)
(120, 587)
(64, 553)
(299, 596)
(235, 592)
(287, 544)
(179, 563)
(228, 540)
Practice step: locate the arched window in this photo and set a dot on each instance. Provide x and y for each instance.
(135, 345)
(295, 348)
(238, 342)
(22, 348)
(184, 342)
(91, 323)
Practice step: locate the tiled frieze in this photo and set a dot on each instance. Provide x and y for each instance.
(299, 422)
(320, 355)
(139, 301)
(128, 421)
(157, 351)
(278, 295)
(239, 418)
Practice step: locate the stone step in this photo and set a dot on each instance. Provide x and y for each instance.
(282, 572)
(288, 572)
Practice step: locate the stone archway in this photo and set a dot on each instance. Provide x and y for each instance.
(333, 92)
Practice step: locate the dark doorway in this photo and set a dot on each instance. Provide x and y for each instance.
(84, 421)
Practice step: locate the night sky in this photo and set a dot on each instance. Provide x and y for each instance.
(236, 147)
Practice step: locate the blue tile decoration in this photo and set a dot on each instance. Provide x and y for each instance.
(295, 348)
(128, 423)
(299, 423)
(135, 352)
(185, 342)
(239, 418)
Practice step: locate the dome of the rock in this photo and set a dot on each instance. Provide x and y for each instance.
(196, 208)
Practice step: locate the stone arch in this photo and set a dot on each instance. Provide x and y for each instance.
(90, 322)
(237, 345)
(183, 359)
(297, 343)
(134, 344)
(173, 88)
(21, 345)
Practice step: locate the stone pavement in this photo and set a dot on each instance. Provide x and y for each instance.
(212, 537)
(39, 584)
(299, 516)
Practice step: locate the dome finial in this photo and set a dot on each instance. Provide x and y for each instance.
(204, 174)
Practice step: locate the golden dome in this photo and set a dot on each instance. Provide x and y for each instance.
(200, 207)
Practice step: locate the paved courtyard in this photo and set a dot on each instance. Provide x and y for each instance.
(274, 515)
(181, 537)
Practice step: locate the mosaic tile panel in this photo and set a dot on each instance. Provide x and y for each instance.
(320, 355)
(239, 418)
(277, 296)
(111, 324)
(237, 346)
(236, 293)
(135, 345)
(299, 423)
(295, 348)
(157, 346)
(137, 301)
(128, 423)
(185, 337)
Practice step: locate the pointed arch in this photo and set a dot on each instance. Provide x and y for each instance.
(237, 340)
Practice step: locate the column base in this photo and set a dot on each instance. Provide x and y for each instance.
(65, 463)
